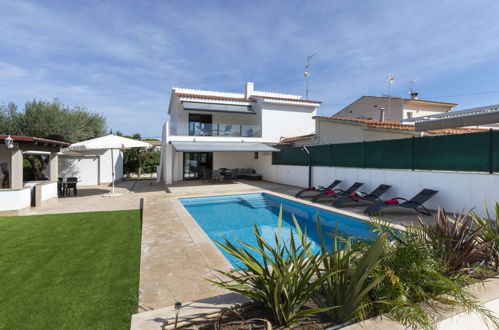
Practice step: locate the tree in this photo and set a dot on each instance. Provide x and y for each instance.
(50, 120)
(140, 160)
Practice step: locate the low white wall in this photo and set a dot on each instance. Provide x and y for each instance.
(15, 199)
(457, 190)
(48, 190)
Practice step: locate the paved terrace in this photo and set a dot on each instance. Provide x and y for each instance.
(176, 255)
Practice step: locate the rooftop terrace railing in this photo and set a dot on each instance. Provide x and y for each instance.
(203, 129)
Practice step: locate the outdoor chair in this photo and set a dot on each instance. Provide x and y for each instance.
(205, 175)
(338, 192)
(230, 176)
(227, 130)
(216, 177)
(314, 191)
(415, 203)
(60, 187)
(71, 185)
(374, 196)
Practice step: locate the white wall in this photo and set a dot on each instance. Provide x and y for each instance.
(346, 132)
(286, 120)
(15, 199)
(86, 169)
(105, 168)
(457, 190)
(48, 190)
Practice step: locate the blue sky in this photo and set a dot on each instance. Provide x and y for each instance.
(121, 58)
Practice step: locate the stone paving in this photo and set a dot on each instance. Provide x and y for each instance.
(177, 256)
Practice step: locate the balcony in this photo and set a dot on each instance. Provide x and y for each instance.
(228, 130)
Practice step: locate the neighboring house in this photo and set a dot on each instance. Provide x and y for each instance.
(393, 108)
(211, 130)
(483, 117)
(345, 130)
(92, 167)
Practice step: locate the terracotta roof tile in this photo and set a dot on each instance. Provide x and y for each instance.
(295, 138)
(34, 139)
(369, 123)
(242, 99)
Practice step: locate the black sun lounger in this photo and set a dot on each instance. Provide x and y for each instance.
(337, 192)
(316, 190)
(415, 203)
(374, 196)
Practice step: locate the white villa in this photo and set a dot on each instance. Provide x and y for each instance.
(211, 130)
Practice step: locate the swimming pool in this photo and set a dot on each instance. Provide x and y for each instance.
(233, 216)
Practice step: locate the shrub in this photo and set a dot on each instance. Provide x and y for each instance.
(281, 279)
(490, 233)
(456, 240)
(350, 282)
(416, 282)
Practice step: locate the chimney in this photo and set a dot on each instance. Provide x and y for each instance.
(381, 114)
(414, 95)
(249, 88)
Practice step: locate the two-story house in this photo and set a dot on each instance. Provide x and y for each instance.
(210, 130)
(393, 108)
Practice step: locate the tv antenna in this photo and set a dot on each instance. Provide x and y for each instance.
(390, 79)
(306, 74)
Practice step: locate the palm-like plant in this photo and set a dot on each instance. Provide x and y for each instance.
(281, 279)
(490, 232)
(416, 282)
(456, 240)
(351, 282)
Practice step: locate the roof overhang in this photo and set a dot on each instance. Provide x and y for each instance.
(218, 107)
(201, 146)
(486, 115)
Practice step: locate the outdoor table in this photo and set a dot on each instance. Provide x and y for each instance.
(63, 185)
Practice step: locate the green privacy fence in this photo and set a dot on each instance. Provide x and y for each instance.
(475, 152)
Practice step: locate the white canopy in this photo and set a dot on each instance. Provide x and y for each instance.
(109, 142)
(189, 146)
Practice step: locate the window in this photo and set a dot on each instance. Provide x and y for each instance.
(256, 154)
(409, 114)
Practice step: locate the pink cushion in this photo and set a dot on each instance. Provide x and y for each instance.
(352, 195)
(330, 192)
(311, 188)
(391, 201)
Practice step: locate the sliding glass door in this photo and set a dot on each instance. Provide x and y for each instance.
(197, 164)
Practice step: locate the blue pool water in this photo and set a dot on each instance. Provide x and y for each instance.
(233, 216)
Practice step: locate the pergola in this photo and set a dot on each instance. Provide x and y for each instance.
(12, 154)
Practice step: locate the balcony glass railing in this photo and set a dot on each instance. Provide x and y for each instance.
(203, 129)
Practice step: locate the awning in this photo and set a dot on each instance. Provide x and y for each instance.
(185, 146)
(215, 107)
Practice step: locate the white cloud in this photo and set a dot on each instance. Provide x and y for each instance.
(118, 58)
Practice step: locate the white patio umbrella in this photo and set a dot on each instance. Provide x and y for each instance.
(107, 142)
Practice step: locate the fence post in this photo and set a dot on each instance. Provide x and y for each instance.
(363, 149)
(491, 151)
(413, 153)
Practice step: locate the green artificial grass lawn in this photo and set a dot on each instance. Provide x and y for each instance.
(69, 271)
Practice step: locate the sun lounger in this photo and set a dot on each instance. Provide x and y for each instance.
(415, 203)
(313, 191)
(337, 192)
(374, 196)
